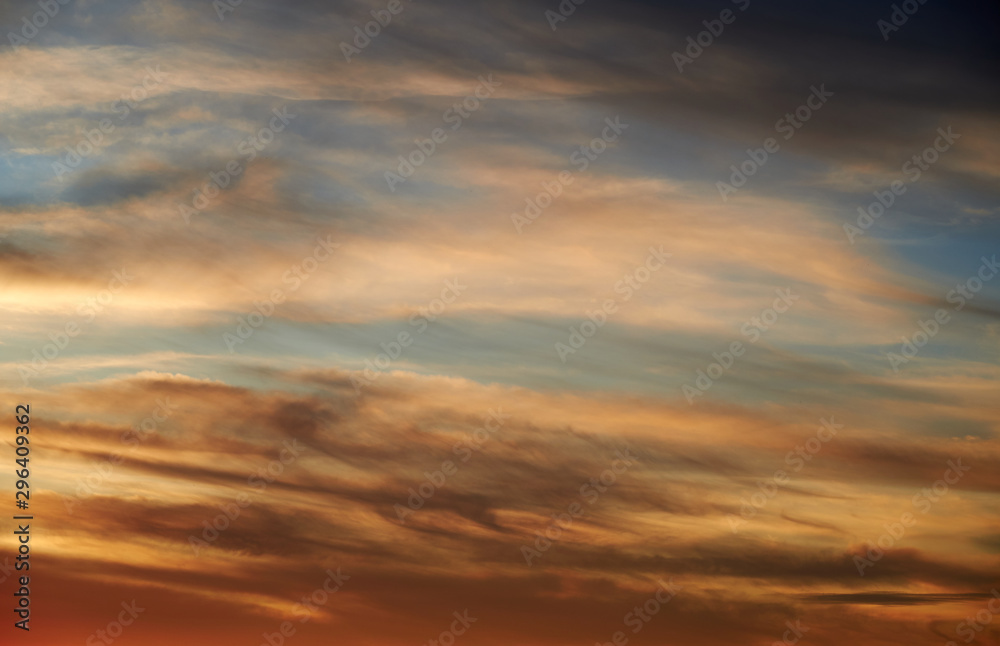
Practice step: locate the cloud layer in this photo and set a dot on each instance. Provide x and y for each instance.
(277, 312)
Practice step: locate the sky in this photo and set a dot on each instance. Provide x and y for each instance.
(481, 323)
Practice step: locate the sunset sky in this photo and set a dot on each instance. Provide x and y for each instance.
(524, 312)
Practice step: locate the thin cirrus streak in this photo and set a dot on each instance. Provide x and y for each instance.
(521, 322)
